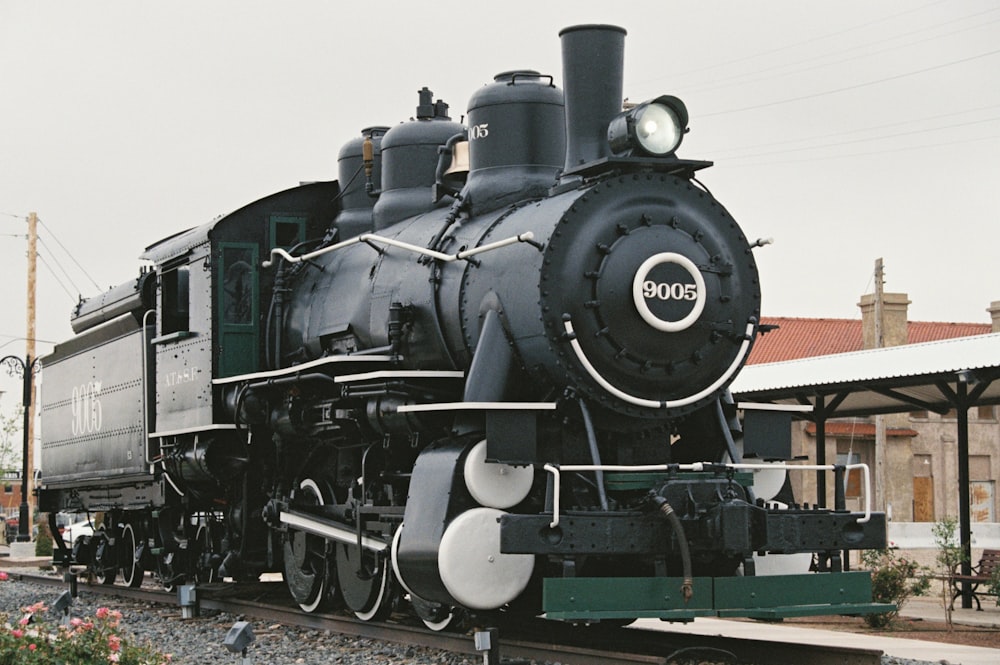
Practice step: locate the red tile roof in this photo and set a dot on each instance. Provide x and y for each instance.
(804, 338)
(858, 430)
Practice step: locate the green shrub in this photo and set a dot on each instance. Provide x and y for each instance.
(43, 542)
(894, 580)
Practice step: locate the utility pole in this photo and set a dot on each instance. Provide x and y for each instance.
(880, 438)
(29, 358)
(24, 548)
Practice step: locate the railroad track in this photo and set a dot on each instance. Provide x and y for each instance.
(537, 640)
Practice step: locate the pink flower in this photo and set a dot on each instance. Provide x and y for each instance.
(102, 613)
(113, 658)
(114, 643)
(17, 632)
(32, 646)
(76, 622)
(4, 576)
(25, 620)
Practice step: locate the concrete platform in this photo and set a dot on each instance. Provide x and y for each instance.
(11, 559)
(928, 609)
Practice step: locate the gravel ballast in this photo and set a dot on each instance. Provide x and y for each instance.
(198, 641)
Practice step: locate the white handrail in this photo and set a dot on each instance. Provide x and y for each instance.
(392, 242)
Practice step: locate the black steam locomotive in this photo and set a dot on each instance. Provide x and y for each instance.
(485, 369)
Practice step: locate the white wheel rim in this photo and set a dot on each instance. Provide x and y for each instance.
(310, 484)
(128, 535)
(377, 605)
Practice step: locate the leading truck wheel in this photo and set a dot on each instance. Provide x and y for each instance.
(105, 561)
(308, 568)
(131, 553)
(436, 616)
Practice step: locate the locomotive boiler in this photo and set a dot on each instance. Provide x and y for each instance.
(484, 370)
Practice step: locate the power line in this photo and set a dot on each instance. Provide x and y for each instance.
(55, 260)
(870, 139)
(977, 139)
(853, 87)
(13, 338)
(56, 277)
(771, 144)
(70, 255)
(743, 79)
(786, 47)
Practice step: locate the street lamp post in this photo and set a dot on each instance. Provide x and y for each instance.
(26, 368)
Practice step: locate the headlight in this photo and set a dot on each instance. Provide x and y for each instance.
(653, 128)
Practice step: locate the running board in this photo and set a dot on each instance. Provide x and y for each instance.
(329, 529)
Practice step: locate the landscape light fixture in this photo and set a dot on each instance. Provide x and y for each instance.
(62, 605)
(238, 640)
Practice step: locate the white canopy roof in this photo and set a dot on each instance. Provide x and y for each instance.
(888, 380)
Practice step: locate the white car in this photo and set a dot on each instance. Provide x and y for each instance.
(73, 531)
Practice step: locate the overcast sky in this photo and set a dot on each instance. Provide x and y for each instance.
(847, 130)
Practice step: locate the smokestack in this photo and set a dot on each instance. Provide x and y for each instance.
(593, 66)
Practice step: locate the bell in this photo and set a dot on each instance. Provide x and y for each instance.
(459, 161)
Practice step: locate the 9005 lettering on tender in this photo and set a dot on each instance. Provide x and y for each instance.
(85, 407)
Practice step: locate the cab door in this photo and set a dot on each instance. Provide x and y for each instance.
(238, 295)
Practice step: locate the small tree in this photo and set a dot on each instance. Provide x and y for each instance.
(894, 580)
(10, 448)
(949, 557)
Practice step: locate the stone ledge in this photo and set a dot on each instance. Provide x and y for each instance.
(22, 551)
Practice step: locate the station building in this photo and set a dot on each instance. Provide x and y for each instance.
(919, 482)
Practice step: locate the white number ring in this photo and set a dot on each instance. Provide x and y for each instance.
(640, 299)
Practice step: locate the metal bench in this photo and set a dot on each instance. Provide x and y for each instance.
(979, 580)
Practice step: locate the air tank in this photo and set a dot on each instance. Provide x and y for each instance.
(517, 139)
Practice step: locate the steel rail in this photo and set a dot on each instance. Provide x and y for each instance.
(537, 640)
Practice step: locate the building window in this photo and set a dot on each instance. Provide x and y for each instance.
(923, 488)
(918, 415)
(987, 412)
(852, 480)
